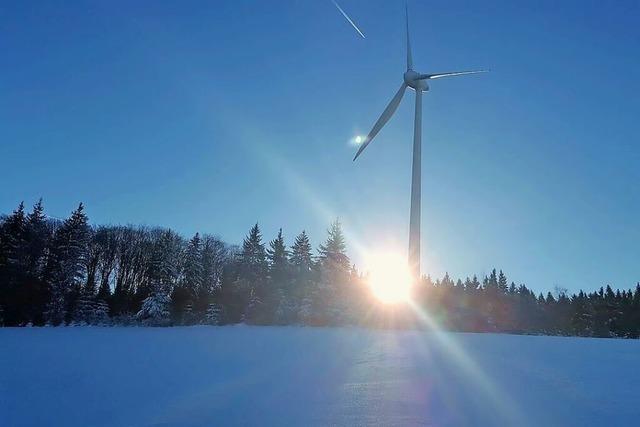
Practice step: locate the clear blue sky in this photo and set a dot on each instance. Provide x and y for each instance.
(210, 116)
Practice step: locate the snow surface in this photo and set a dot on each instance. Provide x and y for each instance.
(240, 375)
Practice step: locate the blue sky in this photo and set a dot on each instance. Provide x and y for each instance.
(210, 116)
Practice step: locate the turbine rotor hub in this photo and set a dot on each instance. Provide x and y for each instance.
(411, 79)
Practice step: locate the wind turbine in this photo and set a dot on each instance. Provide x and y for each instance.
(417, 82)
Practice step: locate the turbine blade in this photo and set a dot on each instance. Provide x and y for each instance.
(454, 73)
(409, 57)
(353, 24)
(384, 118)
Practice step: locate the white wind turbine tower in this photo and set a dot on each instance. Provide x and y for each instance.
(417, 82)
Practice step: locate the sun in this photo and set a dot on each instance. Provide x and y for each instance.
(389, 277)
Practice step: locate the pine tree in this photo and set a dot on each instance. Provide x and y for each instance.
(582, 317)
(333, 253)
(502, 282)
(66, 265)
(253, 258)
(13, 237)
(301, 257)
(303, 291)
(278, 296)
(37, 239)
(13, 268)
(330, 304)
(252, 276)
(278, 257)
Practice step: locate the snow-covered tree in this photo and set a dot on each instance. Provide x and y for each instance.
(192, 266)
(214, 314)
(155, 310)
(66, 264)
(253, 314)
(101, 313)
(214, 257)
(84, 311)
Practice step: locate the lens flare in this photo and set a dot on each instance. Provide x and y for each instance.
(389, 277)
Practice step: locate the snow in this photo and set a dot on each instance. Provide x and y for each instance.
(241, 375)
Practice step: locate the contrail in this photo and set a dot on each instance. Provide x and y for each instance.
(353, 24)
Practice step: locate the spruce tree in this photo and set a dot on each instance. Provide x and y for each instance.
(37, 239)
(13, 266)
(303, 290)
(301, 257)
(252, 276)
(155, 309)
(333, 253)
(66, 265)
(13, 238)
(279, 293)
(253, 258)
(330, 304)
(278, 257)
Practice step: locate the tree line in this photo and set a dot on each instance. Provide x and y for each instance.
(67, 272)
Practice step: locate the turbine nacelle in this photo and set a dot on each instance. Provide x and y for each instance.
(412, 79)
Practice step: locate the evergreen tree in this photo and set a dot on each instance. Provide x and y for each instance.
(101, 313)
(155, 310)
(66, 265)
(278, 257)
(252, 276)
(301, 257)
(214, 314)
(37, 235)
(192, 270)
(13, 268)
(190, 283)
(330, 304)
(279, 296)
(84, 311)
(333, 253)
(303, 292)
(253, 259)
(13, 238)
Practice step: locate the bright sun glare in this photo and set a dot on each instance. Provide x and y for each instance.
(358, 139)
(390, 278)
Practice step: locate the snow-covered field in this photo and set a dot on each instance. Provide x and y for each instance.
(240, 375)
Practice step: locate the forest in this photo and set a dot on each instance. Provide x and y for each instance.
(68, 272)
